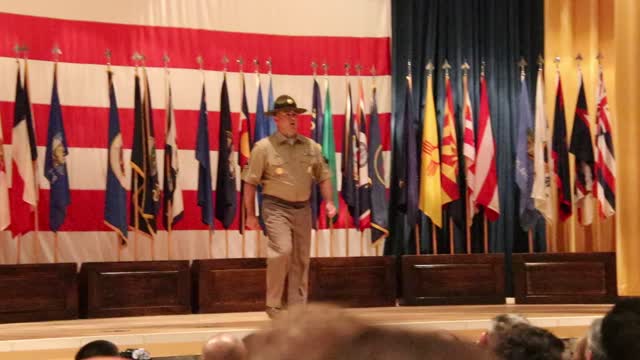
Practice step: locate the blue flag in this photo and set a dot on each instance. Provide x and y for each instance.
(405, 158)
(226, 193)
(55, 164)
(270, 122)
(316, 135)
(379, 227)
(205, 192)
(350, 173)
(262, 131)
(115, 206)
(524, 159)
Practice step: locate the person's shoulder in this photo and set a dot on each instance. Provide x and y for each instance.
(308, 141)
(262, 144)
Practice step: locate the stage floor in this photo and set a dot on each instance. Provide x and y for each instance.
(185, 334)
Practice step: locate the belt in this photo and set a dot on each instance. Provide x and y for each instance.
(291, 204)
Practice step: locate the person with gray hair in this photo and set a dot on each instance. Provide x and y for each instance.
(224, 347)
(500, 325)
(594, 350)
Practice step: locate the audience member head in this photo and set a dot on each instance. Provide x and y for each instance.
(500, 325)
(620, 330)
(527, 342)
(97, 348)
(224, 347)
(580, 349)
(378, 343)
(594, 349)
(322, 333)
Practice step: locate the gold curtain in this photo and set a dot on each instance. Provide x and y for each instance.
(611, 28)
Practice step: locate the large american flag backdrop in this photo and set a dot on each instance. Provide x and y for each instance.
(292, 34)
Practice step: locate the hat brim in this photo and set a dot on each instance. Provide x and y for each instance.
(296, 110)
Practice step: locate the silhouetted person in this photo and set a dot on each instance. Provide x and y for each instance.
(621, 330)
(97, 348)
(526, 342)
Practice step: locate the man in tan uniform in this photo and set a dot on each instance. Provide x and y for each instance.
(286, 164)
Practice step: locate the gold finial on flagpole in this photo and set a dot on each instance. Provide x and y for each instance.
(358, 69)
(373, 76)
(522, 64)
(483, 66)
(107, 54)
(540, 62)
(465, 68)
(21, 49)
(56, 52)
(137, 59)
(256, 65)
(165, 60)
(325, 68)
(225, 63)
(446, 66)
(429, 68)
(579, 59)
(314, 67)
(556, 60)
(240, 62)
(269, 65)
(599, 57)
(346, 68)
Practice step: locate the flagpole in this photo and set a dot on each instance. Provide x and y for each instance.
(434, 239)
(468, 238)
(417, 239)
(485, 235)
(18, 245)
(226, 240)
(530, 237)
(55, 247)
(347, 249)
(209, 247)
(169, 228)
(118, 246)
(136, 220)
(452, 250)
(258, 243)
(362, 247)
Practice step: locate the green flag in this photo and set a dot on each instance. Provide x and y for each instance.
(328, 145)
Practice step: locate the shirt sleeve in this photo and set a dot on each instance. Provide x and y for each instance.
(321, 169)
(254, 170)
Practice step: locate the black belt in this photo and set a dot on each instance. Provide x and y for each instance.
(291, 204)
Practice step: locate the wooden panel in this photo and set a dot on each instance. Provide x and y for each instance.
(565, 278)
(453, 279)
(38, 292)
(134, 288)
(227, 285)
(353, 281)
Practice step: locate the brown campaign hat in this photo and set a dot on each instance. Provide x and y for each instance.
(284, 103)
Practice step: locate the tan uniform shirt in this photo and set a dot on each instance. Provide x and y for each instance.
(286, 168)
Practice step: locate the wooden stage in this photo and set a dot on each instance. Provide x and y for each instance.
(185, 334)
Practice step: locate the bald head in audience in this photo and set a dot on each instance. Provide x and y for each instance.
(224, 347)
(500, 325)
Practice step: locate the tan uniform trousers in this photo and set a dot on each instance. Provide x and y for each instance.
(289, 230)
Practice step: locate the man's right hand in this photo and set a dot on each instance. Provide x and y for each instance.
(252, 222)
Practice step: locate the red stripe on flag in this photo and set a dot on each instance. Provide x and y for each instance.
(84, 42)
(87, 126)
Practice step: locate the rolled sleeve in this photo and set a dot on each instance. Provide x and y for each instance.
(252, 174)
